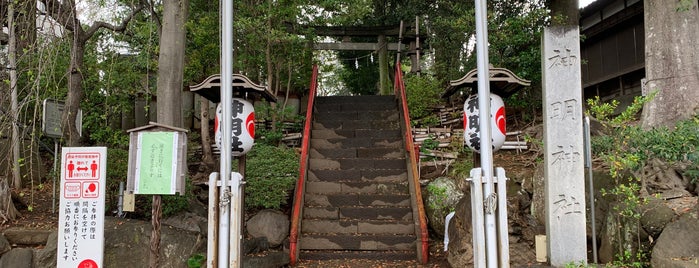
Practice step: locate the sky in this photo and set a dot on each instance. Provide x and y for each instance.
(584, 3)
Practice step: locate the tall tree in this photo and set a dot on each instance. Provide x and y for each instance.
(171, 62)
(65, 13)
(452, 24)
(170, 75)
(203, 52)
(8, 210)
(672, 61)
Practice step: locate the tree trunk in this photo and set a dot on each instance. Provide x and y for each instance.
(384, 80)
(12, 53)
(207, 153)
(7, 208)
(170, 75)
(75, 93)
(672, 61)
(171, 63)
(270, 68)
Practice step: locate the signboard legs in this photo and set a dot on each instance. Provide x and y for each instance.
(495, 205)
(225, 223)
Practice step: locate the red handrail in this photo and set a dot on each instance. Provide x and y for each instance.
(399, 87)
(301, 182)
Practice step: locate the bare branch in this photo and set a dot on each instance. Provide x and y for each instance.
(117, 28)
(61, 11)
(153, 14)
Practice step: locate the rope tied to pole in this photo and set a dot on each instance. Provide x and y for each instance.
(490, 203)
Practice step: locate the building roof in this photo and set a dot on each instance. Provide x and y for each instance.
(156, 126)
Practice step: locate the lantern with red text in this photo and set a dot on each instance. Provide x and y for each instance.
(472, 131)
(242, 127)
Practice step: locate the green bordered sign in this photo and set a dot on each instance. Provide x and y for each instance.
(157, 156)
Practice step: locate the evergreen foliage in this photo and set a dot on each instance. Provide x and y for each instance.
(270, 176)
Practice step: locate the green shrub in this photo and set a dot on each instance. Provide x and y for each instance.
(196, 261)
(423, 95)
(626, 149)
(439, 198)
(271, 173)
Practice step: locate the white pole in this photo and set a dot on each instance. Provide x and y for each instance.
(236, 221)
(477, 218)
(212, 236)
(484, 122)
(588, 165)
(226, 102)
(503, 233)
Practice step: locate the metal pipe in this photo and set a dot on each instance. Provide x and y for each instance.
(226, 131)
(588, 165)
(297, 210)
(413, 154)
(486, 149)
(55, 165)
(120, 202)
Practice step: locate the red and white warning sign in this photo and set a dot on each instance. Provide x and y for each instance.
(81, 214)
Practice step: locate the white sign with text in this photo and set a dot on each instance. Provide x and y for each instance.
(81, 214)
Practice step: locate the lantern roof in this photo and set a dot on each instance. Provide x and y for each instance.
(503, 82)
(153, 126)
(210, 88)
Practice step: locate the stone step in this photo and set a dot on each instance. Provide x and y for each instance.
(325, 100)
(358, 175)
(349, 255)
(356, 242)
(340, 199)
(356, 124)
(342, 107)
(22, 236)
(358, 212)
(331, 134)
(356, 163)
(375, 153)
(364, 142)
(322, 187)
(388, 115)
(357, 226)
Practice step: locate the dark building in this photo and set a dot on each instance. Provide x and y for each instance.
(612, 49)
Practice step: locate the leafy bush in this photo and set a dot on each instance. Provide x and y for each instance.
(271, 173)
(422, 93)
(626, 149)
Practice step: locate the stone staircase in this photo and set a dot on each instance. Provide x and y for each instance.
(357, 200)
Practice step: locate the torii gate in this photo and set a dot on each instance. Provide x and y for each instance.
(406, 35)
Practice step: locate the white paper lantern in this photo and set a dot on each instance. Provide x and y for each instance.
(242, 127)
(472, 122)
